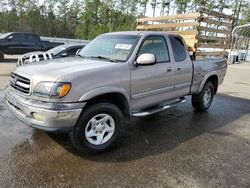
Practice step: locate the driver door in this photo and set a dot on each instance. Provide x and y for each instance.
(15, 43)
(151, 84)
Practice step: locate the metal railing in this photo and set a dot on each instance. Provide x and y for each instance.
(65, 40)
(240, 44)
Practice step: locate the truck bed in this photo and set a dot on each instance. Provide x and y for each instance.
(206, 67)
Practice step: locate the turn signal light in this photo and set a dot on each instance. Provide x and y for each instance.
(64, 90)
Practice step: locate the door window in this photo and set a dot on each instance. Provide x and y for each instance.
(31, 37)
(156, 45)
(17, 36)
(179, 49)
(72, 51)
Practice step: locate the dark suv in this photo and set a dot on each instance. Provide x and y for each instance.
(20, 43)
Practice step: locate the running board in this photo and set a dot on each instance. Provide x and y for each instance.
(157, 109)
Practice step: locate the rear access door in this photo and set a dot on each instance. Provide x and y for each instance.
(183, 67)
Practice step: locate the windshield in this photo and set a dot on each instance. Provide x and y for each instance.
(116, 47)
(3, 36)
(56, 50)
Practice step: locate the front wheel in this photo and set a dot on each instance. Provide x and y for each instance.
(97, 128)
(203, 101)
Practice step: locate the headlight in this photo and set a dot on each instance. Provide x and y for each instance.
(43, 89)
(51, 89)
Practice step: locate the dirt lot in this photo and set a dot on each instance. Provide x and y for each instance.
(175, 148)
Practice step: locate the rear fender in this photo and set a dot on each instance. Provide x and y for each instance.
(205, 78)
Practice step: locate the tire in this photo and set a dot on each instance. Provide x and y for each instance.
(203, 101)
(1, 55)
(89, 135)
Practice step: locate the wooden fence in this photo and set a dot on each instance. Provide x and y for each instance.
(207, 33)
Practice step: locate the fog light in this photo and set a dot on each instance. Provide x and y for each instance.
(38, 117)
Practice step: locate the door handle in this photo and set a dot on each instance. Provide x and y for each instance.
(169, 70)
(178, 68)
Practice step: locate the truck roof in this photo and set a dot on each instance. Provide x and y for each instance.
(138, 33)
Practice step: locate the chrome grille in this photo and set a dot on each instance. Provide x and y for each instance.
(20, 83)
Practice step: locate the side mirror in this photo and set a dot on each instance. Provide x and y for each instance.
(9, 37)
(146, 59)
(64, 55)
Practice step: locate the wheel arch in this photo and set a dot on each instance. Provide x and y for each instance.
(114, 95)
(214, 78)
(215, 81)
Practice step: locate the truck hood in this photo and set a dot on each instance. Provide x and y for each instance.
(54, 69)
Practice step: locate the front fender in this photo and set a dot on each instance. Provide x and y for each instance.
(103, 90)
(205, 78)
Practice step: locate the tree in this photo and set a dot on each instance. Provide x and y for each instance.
(245, 16)
(143, 6)
(62, 14)
(89, 18)
(181, 6)
(237, 8)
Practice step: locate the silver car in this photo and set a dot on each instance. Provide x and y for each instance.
(65, 50)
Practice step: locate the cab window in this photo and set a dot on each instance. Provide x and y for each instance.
(32, 37)
(155, 45)
(17, 36)
(179, 49)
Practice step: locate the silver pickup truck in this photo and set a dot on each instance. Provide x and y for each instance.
(116, 76)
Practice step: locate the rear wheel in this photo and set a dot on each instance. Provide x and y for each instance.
(203, 101)
(1, 55)
(97, 128)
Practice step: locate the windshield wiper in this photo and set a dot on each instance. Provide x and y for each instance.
(106, 58)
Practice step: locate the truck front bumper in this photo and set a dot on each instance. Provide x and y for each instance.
(53, 117)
